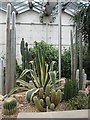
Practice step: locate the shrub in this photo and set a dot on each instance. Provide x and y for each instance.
(77, 103)
(70, 89)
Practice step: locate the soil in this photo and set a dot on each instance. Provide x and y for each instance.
(23, 106)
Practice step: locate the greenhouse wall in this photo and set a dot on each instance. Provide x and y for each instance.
(28, 26)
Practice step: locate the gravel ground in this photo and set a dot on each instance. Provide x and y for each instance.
(23, 106)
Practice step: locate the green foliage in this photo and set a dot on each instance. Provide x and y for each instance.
(78, 102)
(30, 94)
(9, 106)
(40, 72)
(66, 63)
(70, 89)
(50, 52)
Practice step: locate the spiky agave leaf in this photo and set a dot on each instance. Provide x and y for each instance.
(53, 75)
(31, 93)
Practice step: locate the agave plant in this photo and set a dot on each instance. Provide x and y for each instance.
(41, 73)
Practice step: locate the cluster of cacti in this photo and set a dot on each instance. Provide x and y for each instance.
(9, 106)
(26, 57)
(49, 97)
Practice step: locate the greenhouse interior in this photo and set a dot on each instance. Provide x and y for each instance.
(44, 59)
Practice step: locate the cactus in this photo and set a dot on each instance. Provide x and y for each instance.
(53, 96)
(48, 103)
(26, 57)
(38, 104)
(52, 106)
(47, 92)
(58, 97)
(41, 93)
(9, 106)
(42, 102)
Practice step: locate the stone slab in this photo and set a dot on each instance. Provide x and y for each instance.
(60, 114)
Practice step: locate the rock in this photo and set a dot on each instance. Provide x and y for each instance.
(20, 105)
(1, 98)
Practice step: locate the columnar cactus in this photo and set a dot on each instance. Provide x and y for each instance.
(41, 93)
(48, 102)
(9, 106)
(52, 106)
(26, 57)
(53, 96)
(58, 97)
(10, 51)
(47, 92)
(38, 104)
(42, 102)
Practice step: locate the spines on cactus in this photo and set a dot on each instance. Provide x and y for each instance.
(47, 92)
(38, 104)
(53, 96)
(41, 91)
(9, 106)
(58, 97)
(48, 102)
(52, 106)
(42, 102)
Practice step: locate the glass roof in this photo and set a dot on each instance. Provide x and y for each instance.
(21, 6)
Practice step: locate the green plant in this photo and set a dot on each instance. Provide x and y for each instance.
(52, 106)
(9, 106)
(41, 74)
(52, 100)
(48, 102)
(31, 93)
(47, 91)
(41, 92)
(53, 96)
(66, 63)
(78, 102)
(38, 104)
(58, 97)
(70, 89)
(26, 56)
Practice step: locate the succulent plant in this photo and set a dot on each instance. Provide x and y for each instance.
(41, 93)
(38, 104)
(47, 92)
(58, 97)
(52, 106)
(9, 106)
(48, 102)
(53, 96)
(42, 102)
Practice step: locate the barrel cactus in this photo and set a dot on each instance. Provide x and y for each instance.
(9, 106)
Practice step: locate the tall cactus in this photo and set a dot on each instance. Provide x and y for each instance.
(26, 57)
(10, 51)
